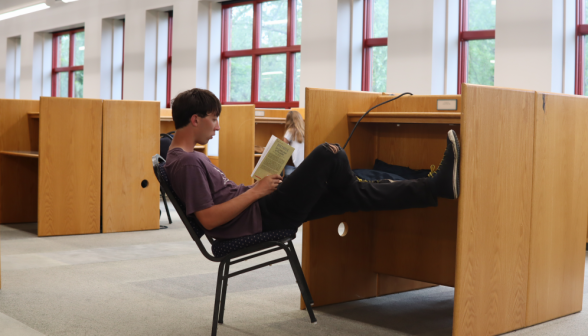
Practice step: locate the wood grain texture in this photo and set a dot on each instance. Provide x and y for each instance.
(416, 244)
(560, 191)
(416, 103)
(130, 138)
(18, 185)
(391, 285)
(70, 166)
(236, 142)
(264, 132)
(407, 117)
(494, 212)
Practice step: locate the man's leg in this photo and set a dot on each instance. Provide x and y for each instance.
(327, 186)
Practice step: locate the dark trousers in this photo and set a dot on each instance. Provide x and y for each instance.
(324, 185)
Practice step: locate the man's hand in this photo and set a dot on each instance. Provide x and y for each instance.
(267, 185)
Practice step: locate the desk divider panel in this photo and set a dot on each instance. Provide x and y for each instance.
(130, 139)
(70, 151)
(560, 207)
(236, 142)
(494, 211)
(18, 175)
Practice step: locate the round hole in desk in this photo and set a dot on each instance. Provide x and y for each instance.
(144, 183)
(342, 229)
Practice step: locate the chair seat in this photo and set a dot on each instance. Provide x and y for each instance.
(221, 248)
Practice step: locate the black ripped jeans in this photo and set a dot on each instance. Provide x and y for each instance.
(324, 185)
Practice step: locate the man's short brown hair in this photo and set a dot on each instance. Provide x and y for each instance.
(194, 101)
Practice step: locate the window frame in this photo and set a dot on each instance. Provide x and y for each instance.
(291, 49)
(581, 32)
(170, 25)
(368, 43)
(465, 36)
(55, 70)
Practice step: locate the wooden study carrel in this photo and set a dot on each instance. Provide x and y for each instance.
(512, 246)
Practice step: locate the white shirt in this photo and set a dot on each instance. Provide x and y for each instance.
(298, 155)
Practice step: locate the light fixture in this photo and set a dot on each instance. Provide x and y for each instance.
(23, 11)
(66, 1)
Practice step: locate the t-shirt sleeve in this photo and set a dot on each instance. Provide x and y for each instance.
(288, 135)
(192, 186)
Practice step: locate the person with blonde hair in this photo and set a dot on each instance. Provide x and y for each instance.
(295, 137)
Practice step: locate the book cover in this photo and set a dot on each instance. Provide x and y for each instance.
(274, 158)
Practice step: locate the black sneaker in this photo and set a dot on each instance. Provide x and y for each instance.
(446, 177)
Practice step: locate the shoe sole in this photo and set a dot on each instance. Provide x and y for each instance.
(452, 136)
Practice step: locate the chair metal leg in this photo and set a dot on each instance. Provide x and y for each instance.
(300, 279)
(224, 292)
(217, 297)
(165, 205)
(299, 268)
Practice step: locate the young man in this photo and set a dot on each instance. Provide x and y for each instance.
(321, 186)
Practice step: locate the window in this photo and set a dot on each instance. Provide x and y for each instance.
(476, 42)
(375, 45)
(581, 40)
(68, 64)
(170, 22)
(261, 53)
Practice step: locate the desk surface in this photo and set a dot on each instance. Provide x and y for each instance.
(270, 120)
(30, 154)
(407, 117)
(33, 115)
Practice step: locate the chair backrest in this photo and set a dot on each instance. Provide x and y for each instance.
(195, 229)
(165, 141)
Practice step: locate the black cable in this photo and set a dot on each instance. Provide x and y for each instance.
(368, 111)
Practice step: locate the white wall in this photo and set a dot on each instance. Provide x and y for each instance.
(535, 44)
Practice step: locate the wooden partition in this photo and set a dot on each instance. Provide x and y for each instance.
(512, 246)
(70, 152)
(18, 162)
(130, 191)
(236, 142)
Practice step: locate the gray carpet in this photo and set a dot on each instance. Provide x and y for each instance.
(158, 283)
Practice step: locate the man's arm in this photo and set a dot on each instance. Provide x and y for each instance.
(220, 214)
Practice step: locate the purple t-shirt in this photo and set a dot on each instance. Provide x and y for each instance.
(200, 185)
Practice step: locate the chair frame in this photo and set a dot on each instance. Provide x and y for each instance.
(165, 135)
(239, 256)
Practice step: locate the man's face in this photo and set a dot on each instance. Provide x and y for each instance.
(207, 128)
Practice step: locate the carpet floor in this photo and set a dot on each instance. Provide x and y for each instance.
(158, 283)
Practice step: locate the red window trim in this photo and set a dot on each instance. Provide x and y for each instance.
(170, 24)
(466, 35)
(368, 44)
(291, 49)
(581, 31)
(122, 75)
(55, 70)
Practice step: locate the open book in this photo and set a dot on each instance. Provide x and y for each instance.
(274, 158)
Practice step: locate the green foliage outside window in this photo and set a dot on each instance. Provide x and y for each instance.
(274, 24)
(380, 18)
(239, 79)
(272, 79)
(379, 68)
(480, 62)
(241, 34)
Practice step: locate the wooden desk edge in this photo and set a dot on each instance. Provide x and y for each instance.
(407, 117)
(270, 120)
(29, 154)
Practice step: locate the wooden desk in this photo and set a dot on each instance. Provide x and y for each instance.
(513, 246)
(76, 166)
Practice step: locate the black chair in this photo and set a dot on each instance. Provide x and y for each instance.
(165, 141)
(233, 251)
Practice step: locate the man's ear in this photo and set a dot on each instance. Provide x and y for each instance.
(194, 120)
